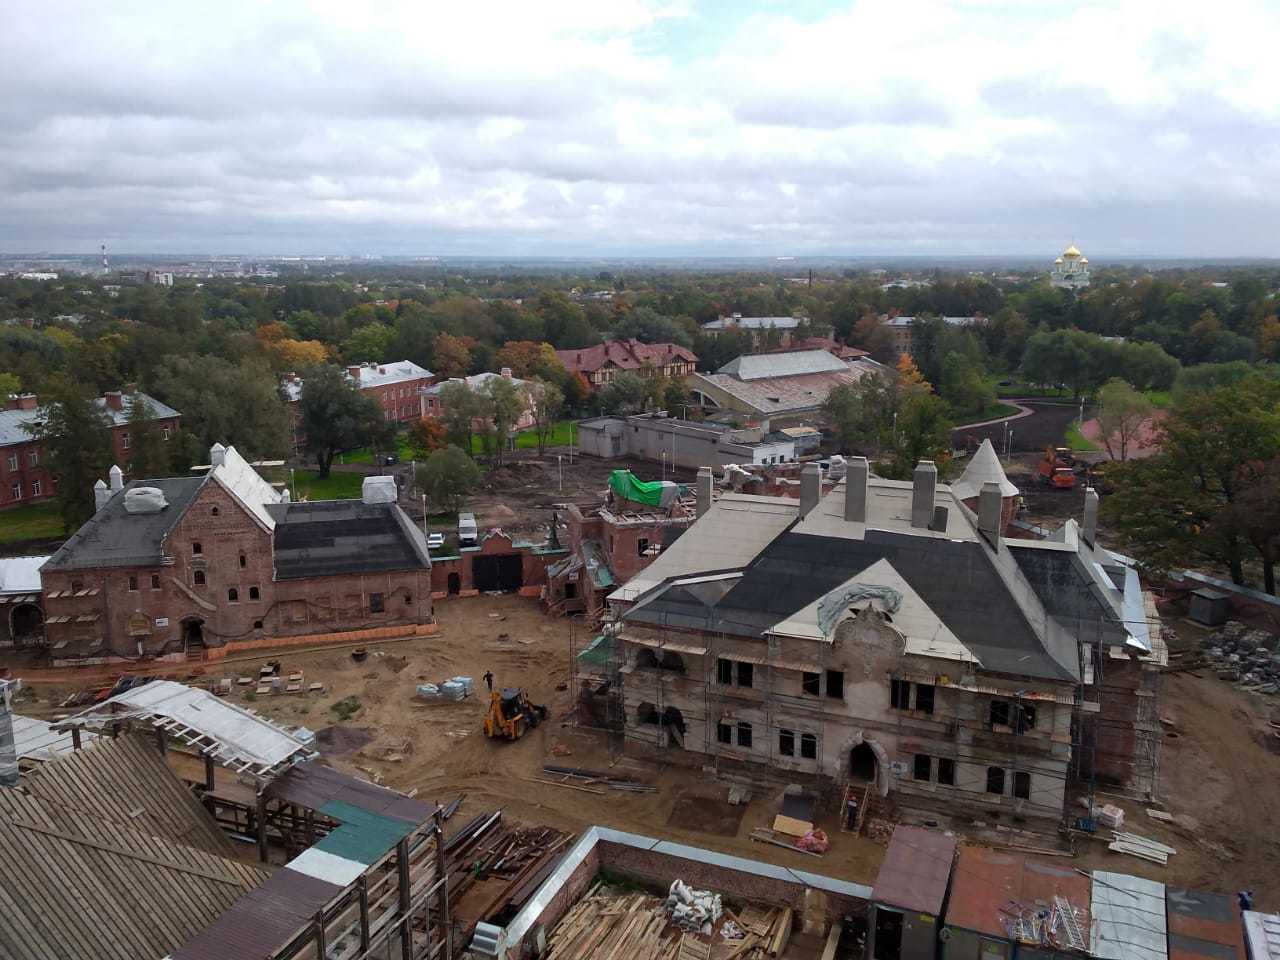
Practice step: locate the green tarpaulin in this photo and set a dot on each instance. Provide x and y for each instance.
(655, 493)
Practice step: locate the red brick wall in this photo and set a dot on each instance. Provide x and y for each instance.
(285, 608)
(25, 474)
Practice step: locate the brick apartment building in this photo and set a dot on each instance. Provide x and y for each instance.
(396, 385)
(24, 474)
(433, 404)
(601, 363)
(171, 566)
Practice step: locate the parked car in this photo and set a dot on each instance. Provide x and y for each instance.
(435, 541)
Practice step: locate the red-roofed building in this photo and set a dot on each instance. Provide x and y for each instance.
(604, 361)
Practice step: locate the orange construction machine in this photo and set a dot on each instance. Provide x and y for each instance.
(511, 714)
(1057, 469)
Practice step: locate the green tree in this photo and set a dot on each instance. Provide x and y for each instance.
(1122, 412)
(923, 433)
(547, 404)
(1181, 505)
(504, 402)
(368, 344)
(9, 384)
(335, 415)
(460, 408)
(448, 477)
(625, 393)
(149, 453)
(76, 434)
(963, 385)
(676, 398)
(235, 404)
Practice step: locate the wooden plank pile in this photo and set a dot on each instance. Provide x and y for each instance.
(638, 926)
(1142, 847)
(486, 848)
(583, 779)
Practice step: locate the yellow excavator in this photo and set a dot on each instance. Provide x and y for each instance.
(511, 714)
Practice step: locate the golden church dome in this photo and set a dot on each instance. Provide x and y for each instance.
(1071, 252)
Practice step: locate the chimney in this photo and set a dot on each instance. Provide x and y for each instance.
(810, 488)
(925, 485)
(353, 371)
(114, 399)
(217, 455)
(100, 495)
(117, 478)
(990, 508)
(23, 401)
(129, 389)
(506, 372)
(1089, 530)
(704, 490)
(855, 490)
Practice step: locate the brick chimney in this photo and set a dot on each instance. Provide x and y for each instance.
(506, 372)
(114, 399)
(129, 389)
(23, 401)
(353, 372)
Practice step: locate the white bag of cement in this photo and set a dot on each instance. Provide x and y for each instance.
(429, 692)
(693, 910)
(452, 690)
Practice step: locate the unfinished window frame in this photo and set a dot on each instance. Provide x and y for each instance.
(838, 676)
(810, 684)
(996, 781)
(922, 772)
(745, 735)
(786, 742)
(724, 671)
(946, 771)
(808, 746)
(745, 674)
(724, 733)
(1022, 784)
(377, 603)
(930, 696)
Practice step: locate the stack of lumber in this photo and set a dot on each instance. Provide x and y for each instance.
(486, 848)
(569, 776)
(1142, 847)
(614, 928)
(767, 931)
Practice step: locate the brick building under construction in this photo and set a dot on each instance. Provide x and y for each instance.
(887, 639)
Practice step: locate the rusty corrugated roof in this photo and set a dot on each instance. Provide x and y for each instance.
(989, 883)
(1204, 925)
(915, 870)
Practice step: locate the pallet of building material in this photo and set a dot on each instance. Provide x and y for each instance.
(1144, 853)
(1160, 815)
(1141, 841)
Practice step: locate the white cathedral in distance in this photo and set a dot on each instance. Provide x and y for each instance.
(1071, 270)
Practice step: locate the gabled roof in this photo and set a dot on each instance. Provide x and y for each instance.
(790, 364)
(389, 371)
(13, 423)
(238, 477)
(753, 323)
(625, 355)
(112, 537)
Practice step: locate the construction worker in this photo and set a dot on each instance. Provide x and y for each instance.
(488, 680)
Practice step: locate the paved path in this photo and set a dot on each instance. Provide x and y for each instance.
(1144, 443)
(1022, 412)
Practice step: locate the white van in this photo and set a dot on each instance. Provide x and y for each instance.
(466, 529)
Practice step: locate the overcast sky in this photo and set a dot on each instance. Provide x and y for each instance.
(627, 127)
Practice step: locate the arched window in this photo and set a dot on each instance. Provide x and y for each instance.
(233, 595)
(196, 549)
(255, 593)
(214, 511)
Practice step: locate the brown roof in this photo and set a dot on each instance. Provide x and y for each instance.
(312, 785)
(624, 354)
(77, 885)
(988, 881)
(1203, 925)
(833, 347)
(915, 870)
(126, 781)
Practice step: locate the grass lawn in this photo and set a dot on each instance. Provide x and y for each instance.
(40, 521)
(365, 455)
(1160, 399)
(336, 486)
(528, 439)
(1077, 440)
(1018, 390)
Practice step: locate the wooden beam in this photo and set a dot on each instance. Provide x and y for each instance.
(209, 768)
(362, 887)
(406, 929)
(262, 827)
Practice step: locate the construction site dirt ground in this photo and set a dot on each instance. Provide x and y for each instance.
(1219, 765)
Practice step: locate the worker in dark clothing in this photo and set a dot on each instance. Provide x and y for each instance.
(488, 680)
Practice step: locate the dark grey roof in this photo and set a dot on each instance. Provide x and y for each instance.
(976, 593)
(329, 537)
(114, 538)
(1068, 592)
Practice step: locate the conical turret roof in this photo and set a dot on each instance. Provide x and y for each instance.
(984, 467)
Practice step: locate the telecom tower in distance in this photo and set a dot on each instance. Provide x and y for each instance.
(105, 268)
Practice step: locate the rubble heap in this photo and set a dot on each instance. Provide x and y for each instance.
(1250, 658)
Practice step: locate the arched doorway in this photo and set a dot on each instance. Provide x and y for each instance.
(193, 632)
(26, 624)
(455, 584)
(862, 763)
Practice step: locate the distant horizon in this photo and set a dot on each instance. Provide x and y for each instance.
(644, 129)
